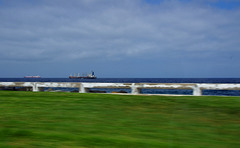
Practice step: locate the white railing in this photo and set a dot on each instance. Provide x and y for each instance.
(135, 87)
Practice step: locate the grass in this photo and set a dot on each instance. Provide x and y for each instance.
(64, 120)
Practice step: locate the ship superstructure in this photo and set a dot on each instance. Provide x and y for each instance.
(83, 76)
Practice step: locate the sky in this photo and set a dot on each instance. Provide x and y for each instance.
(120, 38)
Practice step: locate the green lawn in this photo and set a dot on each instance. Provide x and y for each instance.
(69, 120)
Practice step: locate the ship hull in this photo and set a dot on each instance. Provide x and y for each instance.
(72, 77)
(32, 77)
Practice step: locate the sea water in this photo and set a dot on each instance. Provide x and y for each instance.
(140, 80)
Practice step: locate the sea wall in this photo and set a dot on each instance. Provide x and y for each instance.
(135, 87)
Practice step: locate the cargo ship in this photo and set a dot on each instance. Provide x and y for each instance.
(32, 77)
(86, 76)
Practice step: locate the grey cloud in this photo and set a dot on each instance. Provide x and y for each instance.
(53, 30)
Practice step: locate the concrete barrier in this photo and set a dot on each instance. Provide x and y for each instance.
(135, 87)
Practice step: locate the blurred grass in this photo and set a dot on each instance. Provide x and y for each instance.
(64, 120)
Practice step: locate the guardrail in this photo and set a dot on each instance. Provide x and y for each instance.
(135, 87)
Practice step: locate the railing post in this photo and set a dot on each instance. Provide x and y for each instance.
(134, 89)
(197, 90)
(82, 89)
(35, 87)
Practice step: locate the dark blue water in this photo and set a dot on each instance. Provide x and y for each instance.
(142, 80)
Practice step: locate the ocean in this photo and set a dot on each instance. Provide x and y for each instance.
(141, 80)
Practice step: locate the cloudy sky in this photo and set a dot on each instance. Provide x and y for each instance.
(120, 38)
